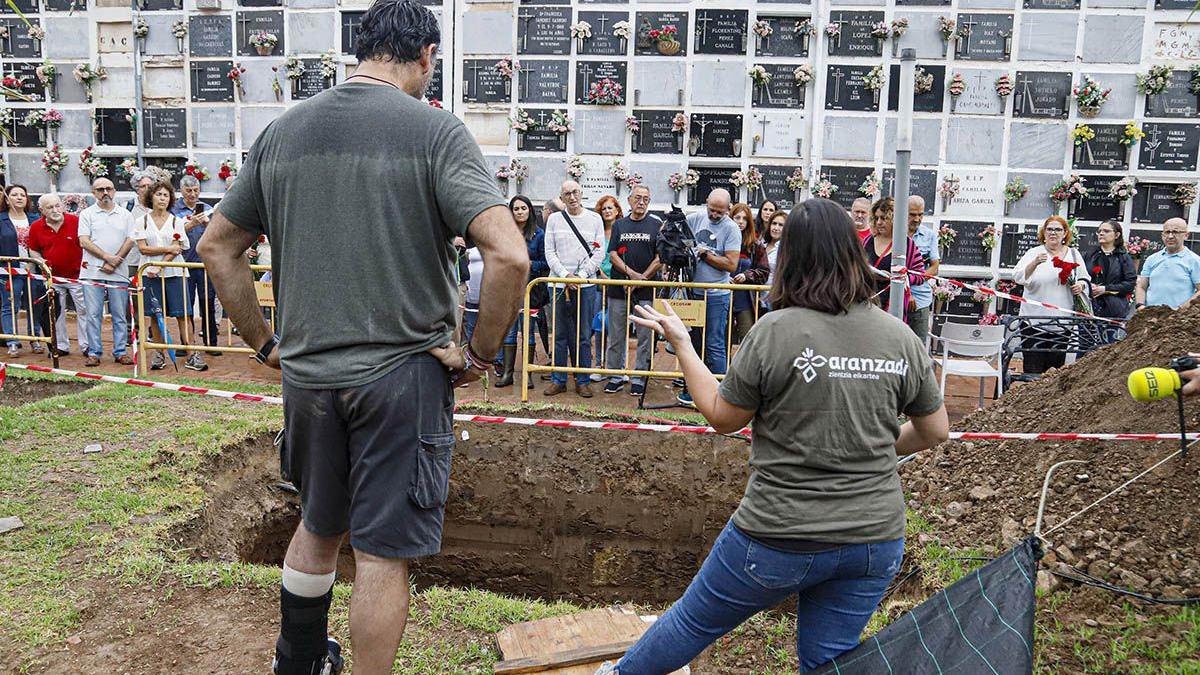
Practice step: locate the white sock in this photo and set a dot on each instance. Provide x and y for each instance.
(307, 585)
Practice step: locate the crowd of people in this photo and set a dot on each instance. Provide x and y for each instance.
(95, 254)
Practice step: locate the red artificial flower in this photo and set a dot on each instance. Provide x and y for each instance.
(11, 82)
(433, 102)
(1064, 270)
(621, 250)
(84, 264)
(262, 238)
(224, 173)
(1097, 270)
(177, 236)
(595, 244)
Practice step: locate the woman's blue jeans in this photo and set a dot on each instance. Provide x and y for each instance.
(838, 591)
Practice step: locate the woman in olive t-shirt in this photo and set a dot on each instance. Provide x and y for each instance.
(824, 377)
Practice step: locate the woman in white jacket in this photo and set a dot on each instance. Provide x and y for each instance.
(1052, 273)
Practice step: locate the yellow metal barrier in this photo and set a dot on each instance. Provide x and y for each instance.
(14, 275)
(692, 311)
(145, 344)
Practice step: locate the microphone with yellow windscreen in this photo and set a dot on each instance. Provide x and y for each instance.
(1153, 384)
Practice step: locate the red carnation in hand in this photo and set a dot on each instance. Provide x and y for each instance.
(1097, 270)
(595, 244)
(177, 236)
(262, 238)
(621, 250)
(1064, 270)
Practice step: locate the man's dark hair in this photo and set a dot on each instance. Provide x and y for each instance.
(822, 265)
(396, 30)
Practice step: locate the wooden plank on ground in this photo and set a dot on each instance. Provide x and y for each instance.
(573, 657)
(576, 644)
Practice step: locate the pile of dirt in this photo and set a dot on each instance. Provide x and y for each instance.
(1146, 537)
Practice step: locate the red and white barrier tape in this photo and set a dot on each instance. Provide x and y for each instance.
(583, 424)
(66, 280)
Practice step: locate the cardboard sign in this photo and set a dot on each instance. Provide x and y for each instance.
(266, 295)
(691, 312)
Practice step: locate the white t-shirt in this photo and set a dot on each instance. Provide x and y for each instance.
(172, 232)
(108, 230)
(135, 257)
(475, 269)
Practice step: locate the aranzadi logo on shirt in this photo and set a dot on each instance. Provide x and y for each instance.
(847, 367)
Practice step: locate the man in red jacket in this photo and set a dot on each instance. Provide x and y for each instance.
(54, 238)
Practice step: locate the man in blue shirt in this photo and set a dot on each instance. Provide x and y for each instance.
(921, 305)
(718, 244)
(1170, 277)
(195, 215)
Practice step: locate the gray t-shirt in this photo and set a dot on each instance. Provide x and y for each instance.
(827, 391)
(361, 190)
(720, 237)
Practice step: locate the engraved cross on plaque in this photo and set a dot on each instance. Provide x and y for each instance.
(473, 90)
(526, 74)
(965, 30)
(1152, 145)
(1025, 100)
(703, 124)
(350, 32)
(525, 19)
(837, 76)
(642, 120)
(541, 119)
(244, 22)
(979, 79)
(603, 21)
(148, 123)
(586, 71)
(763, 122)
(702, 29)
(100, 117)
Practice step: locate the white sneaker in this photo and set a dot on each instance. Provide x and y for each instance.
(607, 668)
(14, 350)
(597, 377)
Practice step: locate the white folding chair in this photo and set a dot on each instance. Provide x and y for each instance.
(982, 344)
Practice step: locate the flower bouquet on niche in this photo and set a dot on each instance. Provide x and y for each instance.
(833, 31)
(90, 165)
(1014, 191)
(899, 28)
(1185, 194)
(54, 161)
(751, 179)
(797, 182)
(805, 30)
(871, 186)
(988, 237)
(1131, 134)
(1122, 189)
(1067, 189)
(1154, 81)
(196, 171)
(949, 189)
(1090, 97)
(576, 167)
(619, 173)
(606, 92)
(1004, 85)
(823, 188)
(946, 236)
(263, 42)
(956, 88)
(86, 75)
(665, 41)
(180, 30)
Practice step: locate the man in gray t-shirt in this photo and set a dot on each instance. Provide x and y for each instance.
(361, 191)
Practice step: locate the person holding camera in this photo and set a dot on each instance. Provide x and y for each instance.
(573, 250)
(718, 246)
(632, 249)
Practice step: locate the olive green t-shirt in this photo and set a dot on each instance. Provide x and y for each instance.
(827, 391)
(361, 190)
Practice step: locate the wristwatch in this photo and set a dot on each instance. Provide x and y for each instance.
(265, 352)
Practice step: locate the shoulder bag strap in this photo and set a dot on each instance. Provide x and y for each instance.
(582, 242)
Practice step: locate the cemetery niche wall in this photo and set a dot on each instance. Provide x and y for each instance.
(786, 88)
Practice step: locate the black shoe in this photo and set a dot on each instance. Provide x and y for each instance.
(613, 387)
(332, 664)
(678, 383)
(637, 389)
(61, 352)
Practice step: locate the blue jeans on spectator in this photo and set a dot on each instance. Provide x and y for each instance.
(510, 340)
(196, 288)
(12, 289)
(28, 295)
(118, 308)
(838, 591)
(716, 329)
(573, 313)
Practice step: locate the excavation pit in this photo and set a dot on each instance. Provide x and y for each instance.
(590, 516)
(18, 391)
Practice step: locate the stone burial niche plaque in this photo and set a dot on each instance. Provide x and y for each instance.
(967, 248)
(175, 5)
(544, 30)
(645, 45)
(437, 86)
(1041, 94)
(260, 3)
(1096, 205)
(1174, 4)
(1104, 152)
(855, 38)
(31, 87)
(210, 81)
(165, 127)
(711, 178)
(715, 135)
(774, 186)
(782, 91)
(921, 182)
(847, 179)
(656, 133)
(1169, 147)
(1050, 4)
(249, 23)
(846, 89)
(111, 128)
(349, 22)
(210, 35)
(588, 73)
(541, 139)
(483, 83)
(1155, 203)
(984, 37)
(1177, 101)
(21, 136)
(1016, 241)
(783, 41)
(18, 44)
(543, 81)
(603, 41)
(311, 82)
(23, 6)
(721, 31)
(928, 101)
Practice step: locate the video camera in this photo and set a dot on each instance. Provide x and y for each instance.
(676, 246)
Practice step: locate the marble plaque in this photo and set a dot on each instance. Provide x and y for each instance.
(1050, 4)
(311, 32)
(719, 83)
(314, 4)
(783, 40)
(111, 128)
(967, 248)
(1112, 39)
(29, 167)
(603, 42)
(1097, 205)
(546, 175)
(988, 37)
(254, 120)
(721, 31)
(656, 133)
(213, 127)
(1048, 36)
(311, 83)
(212, 162)
(160, 41)
(847, 179)
(209, 81)
(76, 129)
(927, 140)
(210, 35)
(1124, 96)
(1036, 145)
(596, 181)
(980, 194)
(588, 73)
(600, 131)
(114, 38)
(163, 128)
(659, 82)
(845, 89)
(930, 101)
(715, 135)
(258, 78)
(543, 81)
(1016, 240)
(249, 23)
(116, 89)
(1036, 204)
(974, 140)
(71, 180)
(1104, 152)
(980, 97)
(1169, 147)
(1177, 101)
(1041, 94)
(1155, 203)
(711, 178)
(488, 128)
(541, 139)
(164, 83)
(1176, 42)
(66, 88)
(348, 27)
(921, 182)
(849, 138)
(67, 37)
(644, 45)
(775, 187)
(654, 176)
(778, 135)
(544, 31)
(855, 38)
(922, 35)
(782, 91)
(482, 83)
